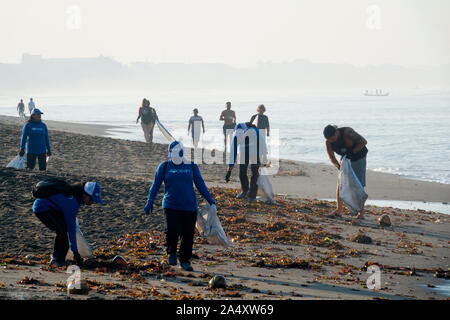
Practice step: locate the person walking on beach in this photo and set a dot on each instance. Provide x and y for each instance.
(252, 149)
(194, 127)
(148, 118)
(57, 207)
(228, 117)
(31, 105)
(260, 120)
(179, 202)
(21, 109)
(346, 141)
(35, 138)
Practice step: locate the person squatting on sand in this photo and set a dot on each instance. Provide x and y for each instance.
(251, 147)
(261, 121)
(229, 122)
(179, 202)
(194, 127)
(346, 141)
(35, 137)
(57, 206)
(148, 118)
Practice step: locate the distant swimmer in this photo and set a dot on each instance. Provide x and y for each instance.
(148, 118)
(31, 105)
(346, 141)
(229, 122)
(194, 127)
(21, 109)
(260, 120)
(35, 138)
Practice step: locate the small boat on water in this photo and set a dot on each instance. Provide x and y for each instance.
(378, 93)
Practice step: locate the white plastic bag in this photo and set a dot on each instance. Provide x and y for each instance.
(84, 249)
(18, 162)
(350, 189)
(209, 225)
(265, 186)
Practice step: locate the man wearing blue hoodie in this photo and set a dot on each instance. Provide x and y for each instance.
(35, 138)
(179, 202)
(59, 212)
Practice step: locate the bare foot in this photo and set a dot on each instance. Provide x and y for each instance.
(360, 216)
(335, 213)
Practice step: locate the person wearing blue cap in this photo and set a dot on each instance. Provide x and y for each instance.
(35, 138)
(57, 206)
(179, 202)
(252, 149)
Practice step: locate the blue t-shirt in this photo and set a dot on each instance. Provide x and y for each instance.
(69, 206)
(35, 136)
(179, 189)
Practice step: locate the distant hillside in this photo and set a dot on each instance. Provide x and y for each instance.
(37, 73)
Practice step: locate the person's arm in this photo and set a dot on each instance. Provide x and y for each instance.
(234, 117)
(47, 140)
(358, 141)
(201, 186)
(23, 140)
(139, 115)
(157, 181)
(203, 125)
(189, 126)
(268, 126)
(252, 118)
(70, 211)
(222, 117)
(155, 115)
(331, 155)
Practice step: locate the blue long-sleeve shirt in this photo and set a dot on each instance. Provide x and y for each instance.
(179, 190)
(69, 206)
(35, 137)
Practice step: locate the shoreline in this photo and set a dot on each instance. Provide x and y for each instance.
(295, 178)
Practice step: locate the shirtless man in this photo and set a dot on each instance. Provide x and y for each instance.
(346, 141)
(229, 118)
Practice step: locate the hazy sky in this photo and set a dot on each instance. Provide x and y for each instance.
(236, 32)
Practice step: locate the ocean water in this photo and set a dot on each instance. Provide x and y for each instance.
(407, 134)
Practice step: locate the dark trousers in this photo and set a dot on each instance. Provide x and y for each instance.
(54, 220)
(180, 224)
(253, 180)
(31, 161)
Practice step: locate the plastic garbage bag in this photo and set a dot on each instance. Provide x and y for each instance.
(84, 249)
(350, 189)
(165, 132)
(18, 162)
(208, 224)
(265, 187)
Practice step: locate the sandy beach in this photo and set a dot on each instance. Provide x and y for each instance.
(286, 250)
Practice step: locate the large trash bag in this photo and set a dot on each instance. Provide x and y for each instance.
(350, 189)
(265, 187)
(17, 163)
(208, 224)
(84, 249)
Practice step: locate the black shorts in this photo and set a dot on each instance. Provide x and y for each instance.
(228, 127)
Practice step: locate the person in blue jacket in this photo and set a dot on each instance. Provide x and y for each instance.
(179, 202)
(59, 212)
(35, 137)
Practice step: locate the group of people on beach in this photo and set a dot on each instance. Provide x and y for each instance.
(21, 108)
(58, 209)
